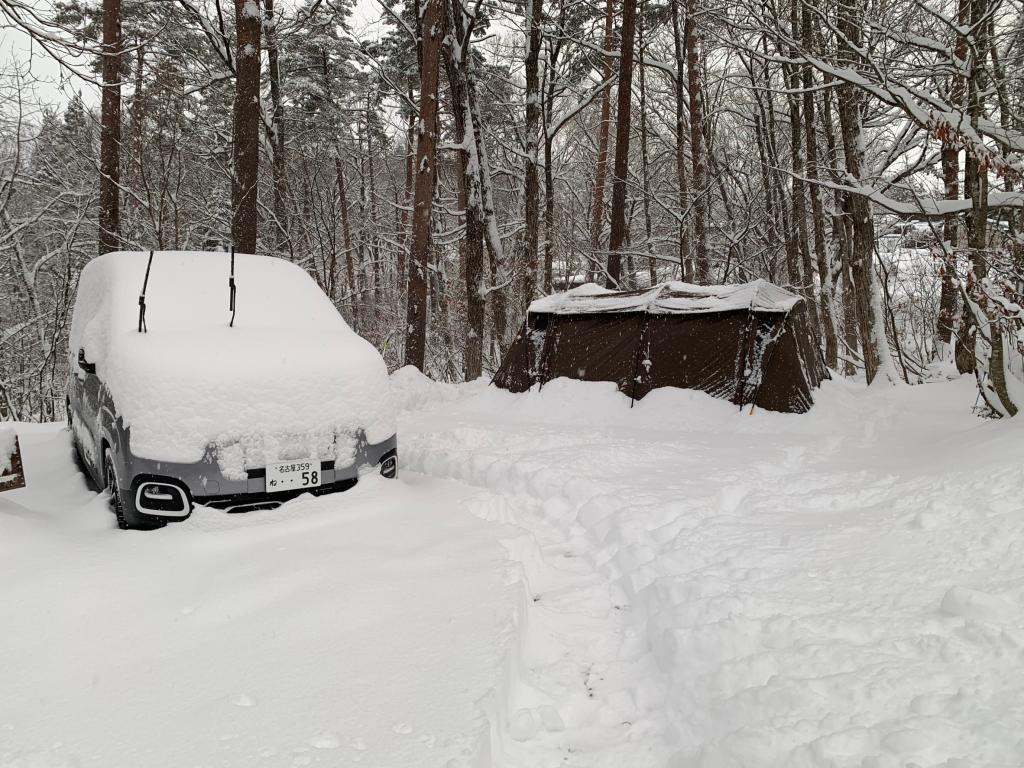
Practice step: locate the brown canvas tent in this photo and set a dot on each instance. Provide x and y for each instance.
(748, 343)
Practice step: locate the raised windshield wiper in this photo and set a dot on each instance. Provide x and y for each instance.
(142, 297)
(231, 286)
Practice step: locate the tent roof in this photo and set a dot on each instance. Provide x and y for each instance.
(670, 298)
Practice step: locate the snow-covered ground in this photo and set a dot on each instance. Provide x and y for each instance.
(708, 587)
(555, 580)
(353, 629)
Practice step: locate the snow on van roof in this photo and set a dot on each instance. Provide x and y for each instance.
(289, 366)
(671, 297)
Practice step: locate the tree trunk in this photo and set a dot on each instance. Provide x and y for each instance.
(492, 236)
(374, 217)
(346, 233)
(135, 169)
(875, 347)
(644, 164)
(617, 236)
(110, 130)
(410, 175)
(990, 363)
(838, 268)
(534, 15)
(826, 306)
(282, 243)
(703, 266)
(951, 243)
(419, 257)
(796, 144)
(549, 214)
(951, 234)
(456, 60)
(603, 129)
(680, 131)
(245, 134)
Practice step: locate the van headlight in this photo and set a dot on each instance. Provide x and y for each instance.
(389, 464)
(158, 497)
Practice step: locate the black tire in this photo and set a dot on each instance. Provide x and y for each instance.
(124, 506)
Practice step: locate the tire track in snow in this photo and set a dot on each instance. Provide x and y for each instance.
(578, 684)
(813, 591)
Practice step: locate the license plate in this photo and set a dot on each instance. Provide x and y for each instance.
(289, 475)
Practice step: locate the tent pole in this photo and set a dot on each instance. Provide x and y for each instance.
(546, 351)
(636, 358)
(770, 346)
(746, 357)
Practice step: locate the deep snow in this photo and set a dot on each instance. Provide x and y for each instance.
(358, 628)
(709, 588)
(556, 580)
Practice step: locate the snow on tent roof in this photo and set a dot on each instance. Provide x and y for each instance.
(289, 365)
(672, 297)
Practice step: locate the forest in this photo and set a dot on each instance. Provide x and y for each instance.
(436, 165)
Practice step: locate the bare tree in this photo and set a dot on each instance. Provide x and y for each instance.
(703, 266)
(603, 130)
(246, 126)
(617, 236)
(110, 130)
(531, 240)
(419, 257)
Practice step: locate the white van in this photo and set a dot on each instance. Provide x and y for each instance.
(228, 380)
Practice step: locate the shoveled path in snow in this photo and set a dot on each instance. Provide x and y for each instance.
(702, 587)
(363, 628)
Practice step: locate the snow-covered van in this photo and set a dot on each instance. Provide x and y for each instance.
(227, 380)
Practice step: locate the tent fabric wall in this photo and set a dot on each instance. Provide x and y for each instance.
(763, 354)
(592, 348)
(702, 354)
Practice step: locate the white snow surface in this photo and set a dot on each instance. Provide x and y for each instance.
(705, 588)
(556, 579)
(287, 380)
(671, 297)
(355, 629)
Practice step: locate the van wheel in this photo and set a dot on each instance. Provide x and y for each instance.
(124, 508)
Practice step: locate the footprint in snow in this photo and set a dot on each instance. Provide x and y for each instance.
(241, 700)
(357, 744)
(402, 728)
(325, 741)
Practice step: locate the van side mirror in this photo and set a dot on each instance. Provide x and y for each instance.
(84, 364)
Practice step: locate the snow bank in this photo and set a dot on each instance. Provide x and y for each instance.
(289, 379)
(704, 588)
(669, 298)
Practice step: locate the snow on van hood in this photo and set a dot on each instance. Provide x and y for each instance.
(289, 379)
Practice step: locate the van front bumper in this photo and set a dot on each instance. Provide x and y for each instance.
(202, 483)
